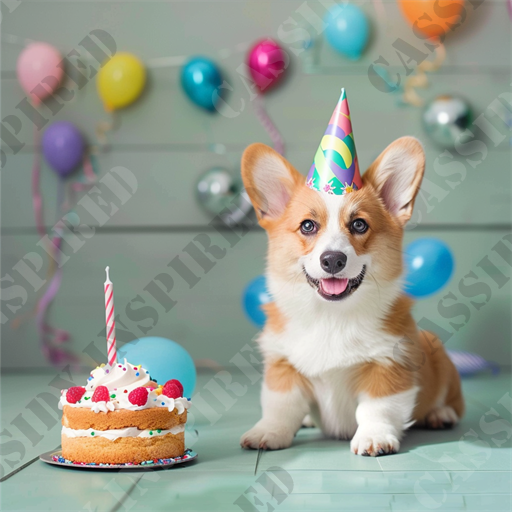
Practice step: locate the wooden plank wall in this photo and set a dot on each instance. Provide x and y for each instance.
(167, 143)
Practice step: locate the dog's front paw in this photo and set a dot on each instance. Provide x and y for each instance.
(267, 436)
(374, 441)
(308, 422)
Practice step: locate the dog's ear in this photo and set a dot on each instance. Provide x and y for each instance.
(269, 180)
(396, 176)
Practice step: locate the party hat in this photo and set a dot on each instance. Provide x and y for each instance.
(335, 169)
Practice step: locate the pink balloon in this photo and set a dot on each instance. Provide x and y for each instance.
(267, 62)
(38, 65)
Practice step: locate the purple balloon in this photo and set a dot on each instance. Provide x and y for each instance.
(63, 147)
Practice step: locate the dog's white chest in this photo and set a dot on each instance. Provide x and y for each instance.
(335, 408)
(328, 344)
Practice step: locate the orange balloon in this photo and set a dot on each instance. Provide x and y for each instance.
(433, 18)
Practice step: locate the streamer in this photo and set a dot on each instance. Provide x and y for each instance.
(270, 127)
(420, 79)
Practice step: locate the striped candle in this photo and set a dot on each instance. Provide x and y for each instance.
(111, 321)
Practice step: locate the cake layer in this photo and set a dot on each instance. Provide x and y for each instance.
(121, 432)
(122, 450)
(146, 419)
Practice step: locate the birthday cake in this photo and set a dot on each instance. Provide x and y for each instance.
(121, 416)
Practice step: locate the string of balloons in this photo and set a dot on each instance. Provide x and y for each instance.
(122, 80)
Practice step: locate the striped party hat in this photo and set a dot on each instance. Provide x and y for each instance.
(335, 169)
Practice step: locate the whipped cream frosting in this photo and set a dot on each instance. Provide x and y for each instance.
(120, 380)
(122, 432)
(120, 377)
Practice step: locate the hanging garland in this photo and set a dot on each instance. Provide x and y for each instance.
(122, 80)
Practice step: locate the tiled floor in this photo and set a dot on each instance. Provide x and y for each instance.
(467, 468)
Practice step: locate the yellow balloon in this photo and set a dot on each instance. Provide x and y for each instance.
(121, 81)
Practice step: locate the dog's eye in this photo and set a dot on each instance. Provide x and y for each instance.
(359, 226)
(308, 227)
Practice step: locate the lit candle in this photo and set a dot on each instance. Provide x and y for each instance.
(111, 321)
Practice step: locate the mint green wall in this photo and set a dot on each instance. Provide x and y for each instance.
(167, 143)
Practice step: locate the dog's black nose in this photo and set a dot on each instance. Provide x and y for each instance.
(333, 262)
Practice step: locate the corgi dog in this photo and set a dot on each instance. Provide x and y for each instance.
(340, 346)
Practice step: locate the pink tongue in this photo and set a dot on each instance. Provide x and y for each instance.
(333, 286)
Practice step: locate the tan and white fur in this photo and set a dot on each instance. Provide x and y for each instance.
(357, 367)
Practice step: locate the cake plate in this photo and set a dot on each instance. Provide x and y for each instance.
(55, 457)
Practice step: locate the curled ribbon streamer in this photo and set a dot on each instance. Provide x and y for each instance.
(37, 199)
(45, 301)
(88, 170)
(270, 127)
(53, 353)
(380, 9)
(420, 79)
(78, 186)
(106, 126)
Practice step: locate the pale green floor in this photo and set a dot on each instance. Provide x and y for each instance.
(467, 468)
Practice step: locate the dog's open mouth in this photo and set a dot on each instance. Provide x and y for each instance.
(335, 288)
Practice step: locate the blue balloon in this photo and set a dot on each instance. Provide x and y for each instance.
(347, 30)
(164, 359)
(429, 263)
(201, 79)
(255, 295)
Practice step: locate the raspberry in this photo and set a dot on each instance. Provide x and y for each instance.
(101, 394)
(139, 396)
(173, 389)
(74, 394)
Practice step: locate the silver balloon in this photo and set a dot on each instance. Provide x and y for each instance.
(446, 120)
(220, 192)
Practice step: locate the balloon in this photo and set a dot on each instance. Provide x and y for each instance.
(201, 79)
(267, 62)
(446, 120)
(220, 192)
(255, 296)
(217, 189)
(121, 81)
(429, 264)
(63, 147)
(38, 65)
(164, 359)
(432, 23)
(347, 30)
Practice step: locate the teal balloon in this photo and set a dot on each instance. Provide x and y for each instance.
(201, 79)
(347, 30)
(429, 266)
(256, 295)
(164, 359)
